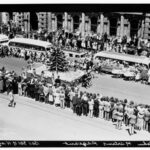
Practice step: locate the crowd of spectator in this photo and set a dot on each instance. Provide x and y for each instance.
(54, 92)
(91, 42)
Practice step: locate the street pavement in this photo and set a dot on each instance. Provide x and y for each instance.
(32, 120)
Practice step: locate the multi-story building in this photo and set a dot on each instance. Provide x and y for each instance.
(115, 23)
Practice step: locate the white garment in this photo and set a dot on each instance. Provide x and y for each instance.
(50, 98)
(91, 104)
(57, 99)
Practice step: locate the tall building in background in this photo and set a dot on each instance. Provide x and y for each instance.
(114, 24)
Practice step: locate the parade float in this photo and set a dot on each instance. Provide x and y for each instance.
(57, 66)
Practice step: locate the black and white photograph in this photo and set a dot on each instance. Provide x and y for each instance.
(75, 73)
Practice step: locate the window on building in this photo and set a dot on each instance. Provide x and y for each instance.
(59, 21)
(33, 21)
(134, 27)
(94, 24)
(113, 26)
(76, 22)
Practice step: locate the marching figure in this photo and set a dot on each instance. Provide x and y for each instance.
(11, 97)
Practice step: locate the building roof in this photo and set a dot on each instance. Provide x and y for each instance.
(31, 42)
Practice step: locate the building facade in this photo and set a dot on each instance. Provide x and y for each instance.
(114, 24)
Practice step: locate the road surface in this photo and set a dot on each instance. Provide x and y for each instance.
(32, 120)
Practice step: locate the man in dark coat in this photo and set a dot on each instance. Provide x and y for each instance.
(36, 89)
(74, 102)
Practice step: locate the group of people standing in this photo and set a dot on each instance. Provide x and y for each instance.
(54, 92)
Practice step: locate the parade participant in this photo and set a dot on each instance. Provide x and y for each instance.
(12, 103)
